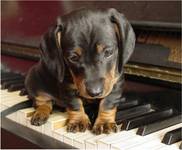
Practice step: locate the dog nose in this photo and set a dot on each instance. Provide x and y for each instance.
(94, 88)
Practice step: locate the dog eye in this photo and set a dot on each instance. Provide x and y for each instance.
(74, 57)
(108, 53)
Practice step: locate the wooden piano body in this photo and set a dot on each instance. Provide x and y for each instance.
(153, 72)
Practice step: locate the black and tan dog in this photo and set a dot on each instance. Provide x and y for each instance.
(91, 46)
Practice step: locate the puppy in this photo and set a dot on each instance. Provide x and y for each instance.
(82, 58)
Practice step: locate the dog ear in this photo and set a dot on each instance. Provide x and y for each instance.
(51, 51)
(125, 36)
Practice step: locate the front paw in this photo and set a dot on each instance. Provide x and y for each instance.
(78, 125)
(39, 118)
(106, 128)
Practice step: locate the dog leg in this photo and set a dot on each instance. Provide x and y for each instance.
(43, 105)
(105, 122)
(77, 121)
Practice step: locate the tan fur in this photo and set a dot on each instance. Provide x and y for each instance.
(43, 102)
(105, 115)
(74, 116)
(78, 51)
(77, 120)
(110, 79)
(100, 48)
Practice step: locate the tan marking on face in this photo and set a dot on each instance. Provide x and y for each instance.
(105, 115)
(78, 51)
(110, 79)
(100, 48)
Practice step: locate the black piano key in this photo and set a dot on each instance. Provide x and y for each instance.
(156, 126)
(146, 119)
(128, 104)
(172, 137)
(132, 112)
(16, 87)
(23, 92)
(180, 146)
(17, 77)
(8, 74)
(7, 84)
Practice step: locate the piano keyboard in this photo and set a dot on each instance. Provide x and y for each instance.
(142, 125)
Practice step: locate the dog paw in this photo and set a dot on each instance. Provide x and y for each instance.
(39, 118)
(78, 125)
(106, 128)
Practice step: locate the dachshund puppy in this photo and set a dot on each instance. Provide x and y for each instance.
(82, 59)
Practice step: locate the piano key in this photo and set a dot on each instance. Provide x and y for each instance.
(23, 114)
(7, 84)
(18, 77)
(16, 87)
(23, 92)
(128, 104)
(105, 143)
(9, 74)
(10, 103)
(133, 112)
(172, 137)
(146, 119)
(150, 128)
(55, 121)
(37, 128)
(59, 133)
(175, 146)
(180, 146)
(80, 142)
(12, 116)
(12, 97)
(136, 140)
(91, 143)
(5, 93)
(69, 137)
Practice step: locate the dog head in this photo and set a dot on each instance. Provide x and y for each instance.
(94, 44)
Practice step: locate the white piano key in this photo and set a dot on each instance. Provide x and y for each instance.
(80, 142)
(7, 104)
(105, 143)
(37, 128)
(12, 98)
(23, 114)
(12, 116)
(56, 120)
(5, 93)
(91, 143)
(59, 133)
(69, 137)
(137, 140)
(174, 146)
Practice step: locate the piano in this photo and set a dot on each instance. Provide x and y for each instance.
(149, 115)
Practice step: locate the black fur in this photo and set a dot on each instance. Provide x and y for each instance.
(82, 29)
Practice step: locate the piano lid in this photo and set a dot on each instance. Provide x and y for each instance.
(23, 23)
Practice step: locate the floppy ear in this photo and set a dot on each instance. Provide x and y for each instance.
(125, 36)
(51, 51)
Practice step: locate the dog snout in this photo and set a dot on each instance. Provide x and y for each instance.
(94, 87)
